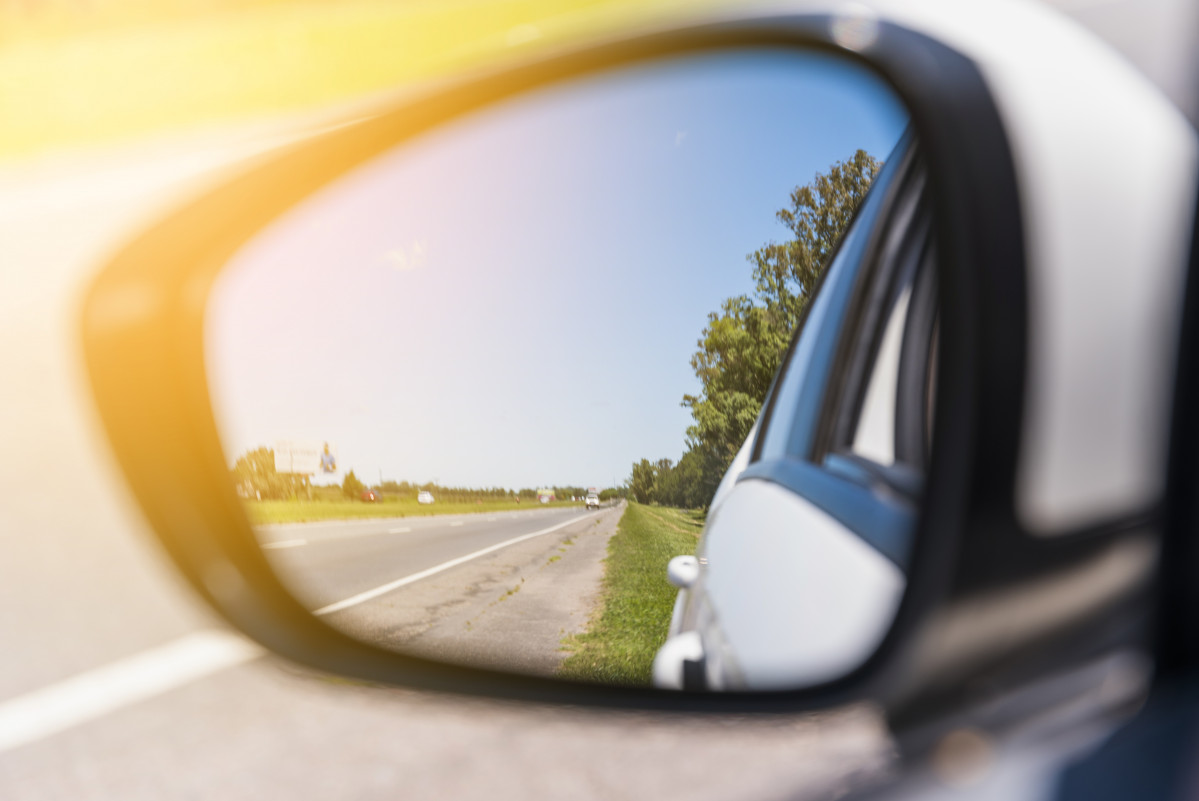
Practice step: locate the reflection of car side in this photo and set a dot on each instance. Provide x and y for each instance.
(811, 524)
(424, 496)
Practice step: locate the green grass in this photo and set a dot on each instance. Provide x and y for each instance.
(267, 512)
(637, 600)
(123, 68)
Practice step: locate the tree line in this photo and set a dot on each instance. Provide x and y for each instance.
(742, 344)
(255, 477)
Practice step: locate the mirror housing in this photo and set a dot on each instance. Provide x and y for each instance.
(142, 327)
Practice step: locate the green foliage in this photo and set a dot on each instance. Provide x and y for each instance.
(255, 477)
(641, 483)
(818, 214)
(742, 345)
(405, 490)
(256, 480)
(634, 615)
(351, 487)
(739, 353)
(682, 485)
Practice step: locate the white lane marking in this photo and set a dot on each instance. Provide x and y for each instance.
(401, 530)
(284, 544)
(41, 713)
(456, 523)
(491, 520)
(363, 597)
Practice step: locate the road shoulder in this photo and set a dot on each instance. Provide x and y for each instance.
(509, 610)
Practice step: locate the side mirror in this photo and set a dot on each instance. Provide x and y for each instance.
(403, 401)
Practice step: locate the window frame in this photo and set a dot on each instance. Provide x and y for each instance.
(876, 207)
(908, 262)
(877, 503)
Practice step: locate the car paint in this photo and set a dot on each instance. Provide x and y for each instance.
(819, 602)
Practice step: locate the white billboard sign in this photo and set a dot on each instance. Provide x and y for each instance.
(304, 458)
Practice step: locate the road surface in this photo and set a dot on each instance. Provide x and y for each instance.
(499, 590)
(117, 683)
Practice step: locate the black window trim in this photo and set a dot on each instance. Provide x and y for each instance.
(896, 265)
(877, 503)
(917, 360)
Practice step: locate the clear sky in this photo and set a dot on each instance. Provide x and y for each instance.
(513, 299)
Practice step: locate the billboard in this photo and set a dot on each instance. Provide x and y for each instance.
(305, 458)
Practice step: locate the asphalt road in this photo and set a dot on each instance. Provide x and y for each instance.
(500, 590)
(117, 683)
(332, 561)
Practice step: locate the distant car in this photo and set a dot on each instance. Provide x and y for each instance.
(370, 496)
(593, 501)
(424, 496)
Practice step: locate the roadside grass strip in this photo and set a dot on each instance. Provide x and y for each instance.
(634, 613)
(269, 512)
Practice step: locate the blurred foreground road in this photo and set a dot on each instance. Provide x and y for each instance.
(83, 585)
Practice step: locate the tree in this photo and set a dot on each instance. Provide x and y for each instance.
(818, 214)
(686, 488)
(351, 487)
(742, 345)
(255, 477)
(641, 482)
(738, 355)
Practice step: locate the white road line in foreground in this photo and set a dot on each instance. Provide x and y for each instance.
(456, 523)
(89, 695)
(363, 597)
(401, 530)
(285, 544)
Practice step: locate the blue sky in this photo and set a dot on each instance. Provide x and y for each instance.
(512, 300)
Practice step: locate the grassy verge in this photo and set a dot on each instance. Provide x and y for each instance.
(637, 601)
(267, 512)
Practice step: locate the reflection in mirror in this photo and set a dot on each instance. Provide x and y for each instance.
(478, 392)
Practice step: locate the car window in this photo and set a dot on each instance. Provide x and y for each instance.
(891, 422)
(874, 438)
(776, 438)
(847, 426)
(879, 411)
(793, 407)
(793, 411)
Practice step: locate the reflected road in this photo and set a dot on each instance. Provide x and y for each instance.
(501, 589)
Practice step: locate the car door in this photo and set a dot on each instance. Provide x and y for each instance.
(802, 563)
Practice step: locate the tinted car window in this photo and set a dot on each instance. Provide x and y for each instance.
(874, 438)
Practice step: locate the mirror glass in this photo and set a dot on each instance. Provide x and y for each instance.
(480, 392)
